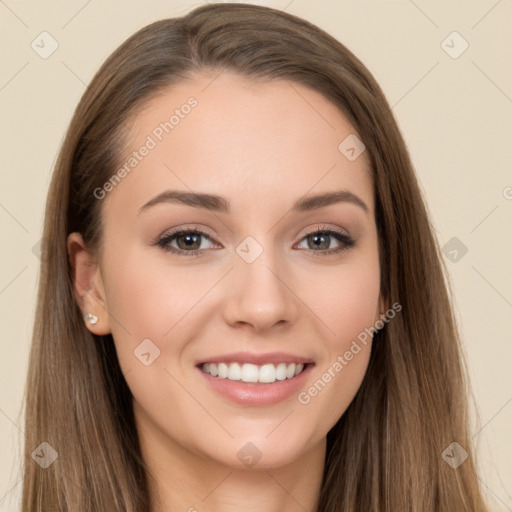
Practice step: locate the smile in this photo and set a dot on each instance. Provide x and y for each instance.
(247, 372)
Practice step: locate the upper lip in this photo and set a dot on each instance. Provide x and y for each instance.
(258, 359)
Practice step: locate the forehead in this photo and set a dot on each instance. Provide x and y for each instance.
(255, 140)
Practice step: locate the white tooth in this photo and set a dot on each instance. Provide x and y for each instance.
(267, 373)
(223, 370)
(235, 372)
(281, 371)
(249, 373)
(290, 371)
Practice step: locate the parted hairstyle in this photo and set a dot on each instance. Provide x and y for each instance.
(385, 452)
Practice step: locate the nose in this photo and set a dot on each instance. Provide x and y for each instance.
(260, 295)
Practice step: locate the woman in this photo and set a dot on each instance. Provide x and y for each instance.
(193, 349)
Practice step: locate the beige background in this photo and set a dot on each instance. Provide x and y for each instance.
(455, 114)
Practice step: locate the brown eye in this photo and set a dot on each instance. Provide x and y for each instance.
(188, 242)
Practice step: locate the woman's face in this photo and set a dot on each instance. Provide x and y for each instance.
(250, 281)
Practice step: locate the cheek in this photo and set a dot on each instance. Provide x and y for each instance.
(347, 308)
(150, 297)
(345, 299)
(334, 387)
(154, 312)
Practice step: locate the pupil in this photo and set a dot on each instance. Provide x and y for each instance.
(318, 238)
(189, 240)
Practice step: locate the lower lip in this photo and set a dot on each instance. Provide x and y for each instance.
(257, 394)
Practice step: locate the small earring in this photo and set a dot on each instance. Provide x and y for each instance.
(92, 319)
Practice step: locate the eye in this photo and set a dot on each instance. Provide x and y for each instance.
(188, 242)
(322, 238)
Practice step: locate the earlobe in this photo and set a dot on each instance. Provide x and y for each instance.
(92, 319)
(381, 312)
(88, 285)
(383, 305)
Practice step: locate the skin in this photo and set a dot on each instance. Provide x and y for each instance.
(262, 145)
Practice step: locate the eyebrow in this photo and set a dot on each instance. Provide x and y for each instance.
(221, 204)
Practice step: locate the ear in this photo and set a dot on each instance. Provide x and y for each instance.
(88, 285)
(382, 308)
(383, 304)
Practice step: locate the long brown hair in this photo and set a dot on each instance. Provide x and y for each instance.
(385, 452)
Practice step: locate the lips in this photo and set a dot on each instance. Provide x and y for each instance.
(257, 394)
(253, 379)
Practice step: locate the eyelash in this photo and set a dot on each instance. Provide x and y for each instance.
(346, 241)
